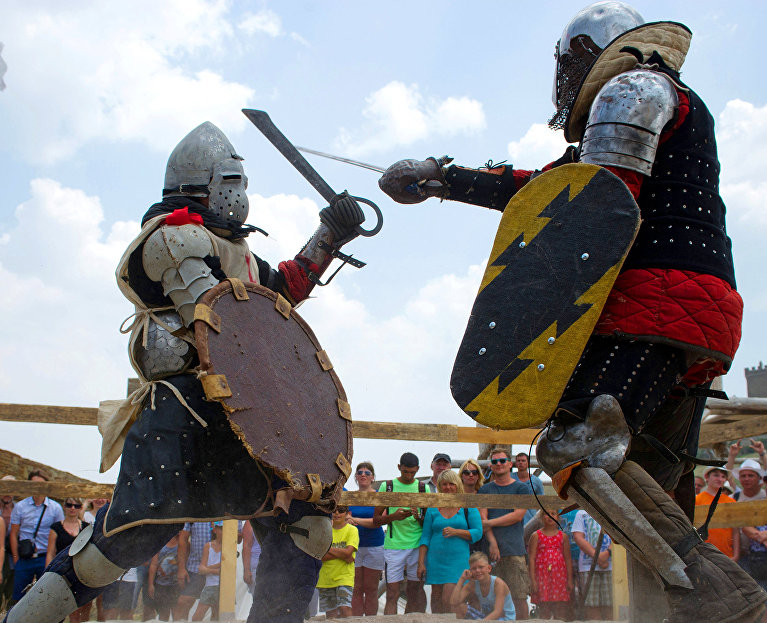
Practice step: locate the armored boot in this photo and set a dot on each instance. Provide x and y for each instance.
(586, 460)
(722, 591)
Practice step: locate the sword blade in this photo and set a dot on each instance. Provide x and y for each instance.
(263, 122)
(356, 163)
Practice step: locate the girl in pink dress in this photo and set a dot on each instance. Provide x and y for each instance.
(551, 570)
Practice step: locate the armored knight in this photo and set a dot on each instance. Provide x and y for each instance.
(182, 461)
(623, 441)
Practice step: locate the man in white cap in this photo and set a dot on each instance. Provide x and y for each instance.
(749, 474)
(753, 553)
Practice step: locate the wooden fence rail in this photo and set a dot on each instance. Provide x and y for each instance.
(725, 516)
(86, 416)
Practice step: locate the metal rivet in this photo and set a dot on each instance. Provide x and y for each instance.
(522, 245)
(482, 350)
(540, 367)
(585, 256)
(551, 340)
(492, 325)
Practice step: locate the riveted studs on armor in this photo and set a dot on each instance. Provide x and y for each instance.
(283, 306)
(344, 409)
(343, 464)
(208, 316)
(215, 387)
(324, 360)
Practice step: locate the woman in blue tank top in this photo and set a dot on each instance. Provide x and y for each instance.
(369, 562)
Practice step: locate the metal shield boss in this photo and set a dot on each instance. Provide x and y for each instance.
(263, 364)
(559, 248)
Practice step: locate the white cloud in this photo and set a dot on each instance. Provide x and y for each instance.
(86, 73)
(265, 21)
(742, 144)
(299, 39)
(3, 67)
(399, 115)
(539, 146)
(61, 310)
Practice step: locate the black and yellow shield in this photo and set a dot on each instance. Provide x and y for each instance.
(558, 250)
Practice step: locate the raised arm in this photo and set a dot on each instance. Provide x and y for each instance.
(462, 589)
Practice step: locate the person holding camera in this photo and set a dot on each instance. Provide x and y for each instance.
(31, 522)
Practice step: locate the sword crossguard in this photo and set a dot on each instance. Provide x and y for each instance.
(336, 253)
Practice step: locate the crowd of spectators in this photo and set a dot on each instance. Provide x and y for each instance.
(185, 571)
(745, 483)
(475, 560)
(479, 563)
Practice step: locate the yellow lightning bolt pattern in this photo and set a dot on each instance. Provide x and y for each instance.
(532, 397)
(521, 213)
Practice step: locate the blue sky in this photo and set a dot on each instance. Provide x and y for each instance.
(98, 94)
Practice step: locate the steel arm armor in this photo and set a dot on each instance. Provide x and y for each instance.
(627, 118)
(173, 256)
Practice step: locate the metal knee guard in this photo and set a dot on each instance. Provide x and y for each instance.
(581, 458)
(90, 565)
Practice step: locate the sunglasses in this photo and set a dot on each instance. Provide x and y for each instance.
(364, 472)
(71, 505)
(498, 461)
(470, 472)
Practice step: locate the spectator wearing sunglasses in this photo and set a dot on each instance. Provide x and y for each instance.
(60, 536)
(503, 538)
(369, 563)
(471, 476)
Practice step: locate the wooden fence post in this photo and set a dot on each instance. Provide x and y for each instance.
(228, 580)
(620, 583)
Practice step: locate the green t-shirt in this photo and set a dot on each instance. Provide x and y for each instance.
(404, 534)
(337, 572)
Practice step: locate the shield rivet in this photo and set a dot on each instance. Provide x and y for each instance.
(540, 367)
(491, 325)
(522, 245)
(482, 350)
(585, 256)
(551, 340)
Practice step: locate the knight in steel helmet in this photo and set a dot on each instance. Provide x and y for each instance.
(584, 37)
(205, 164)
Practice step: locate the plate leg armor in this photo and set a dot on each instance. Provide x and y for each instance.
(80, 572)
(586, 460)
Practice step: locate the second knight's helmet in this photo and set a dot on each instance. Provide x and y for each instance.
(587, 34)
(205, 164)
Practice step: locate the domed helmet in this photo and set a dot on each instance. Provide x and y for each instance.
(205, 164)
(587, 34)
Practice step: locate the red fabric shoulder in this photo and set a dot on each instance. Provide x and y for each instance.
(182, 216)
(632, 179)
(681, 115)
(521, 177)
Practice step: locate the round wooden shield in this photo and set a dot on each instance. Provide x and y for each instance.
(265, 366)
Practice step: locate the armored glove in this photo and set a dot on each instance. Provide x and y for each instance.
(401, 181)
(342, 216)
